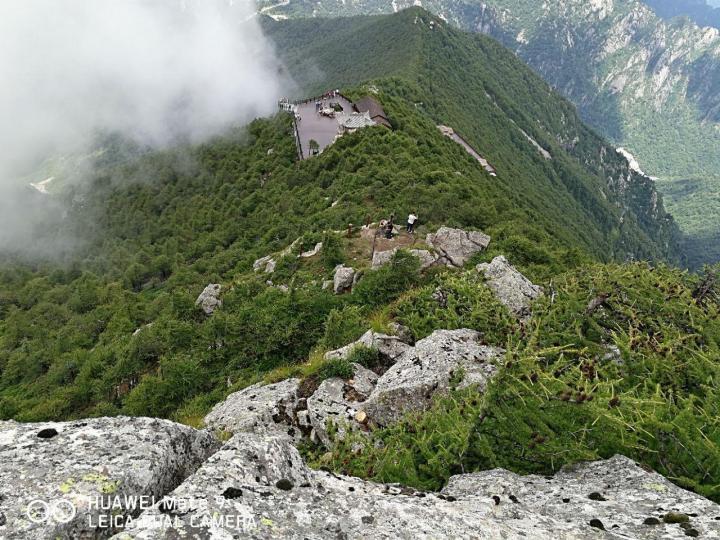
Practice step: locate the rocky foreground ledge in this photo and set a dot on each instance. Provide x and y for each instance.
(142, 478)
(257, 486)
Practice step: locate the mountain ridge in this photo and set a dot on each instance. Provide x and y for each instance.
(645, 83)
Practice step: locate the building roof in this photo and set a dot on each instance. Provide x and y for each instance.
(376, 111)
(356, 120)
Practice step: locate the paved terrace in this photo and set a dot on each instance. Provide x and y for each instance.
(313, 125)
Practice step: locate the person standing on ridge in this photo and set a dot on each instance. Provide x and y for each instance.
(389, 227)
(412, 218)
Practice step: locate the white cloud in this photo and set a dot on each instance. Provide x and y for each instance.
(151, 69)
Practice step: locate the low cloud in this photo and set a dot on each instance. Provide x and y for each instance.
(154, 70)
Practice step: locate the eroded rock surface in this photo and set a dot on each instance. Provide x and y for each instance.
(260, 407)
(390, 347)
(628, 500)
(428, 369)
(336, 403)
(82, 463)
(456, 246)
(264, 486)
(209, 299)
(510, 287)
(343, 279)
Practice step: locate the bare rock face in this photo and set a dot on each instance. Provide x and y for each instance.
(259, 407)
(510, 287)
(66, 469)
(209, 299)
(265, 264)
(312, 252)
(391, 347)
(344, 279)
(456, 246)
(617, 494)
(336, 402)
(262, 488)
(427, 369)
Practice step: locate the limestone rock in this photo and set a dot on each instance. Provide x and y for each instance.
(75, 464)
(257, 408)
(456, 246)
(427, 259)
(427, 369)
(337, 402)
(265, 264)
(617, 492)
(263, 483)
(401, 331)
(510, 287)
(343, 279)
(381, 258)
(209, 299)
(312, 252)
(390, 347)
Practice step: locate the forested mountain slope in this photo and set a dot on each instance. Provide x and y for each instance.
(477, 87)
(647, 84)
(112, 327)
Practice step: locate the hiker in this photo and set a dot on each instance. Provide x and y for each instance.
(412, 218)
(389, 226)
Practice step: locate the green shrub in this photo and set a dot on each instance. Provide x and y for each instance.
(368, 357)
(387, 283)
(343, 326)
(337, 367)
(332, 252)
(456, 301)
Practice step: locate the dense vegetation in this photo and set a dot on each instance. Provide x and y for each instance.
(634, 373)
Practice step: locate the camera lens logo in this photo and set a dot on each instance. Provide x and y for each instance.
(60, 511)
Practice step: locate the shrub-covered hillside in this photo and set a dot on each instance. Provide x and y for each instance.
(112, 327)
(617, 359)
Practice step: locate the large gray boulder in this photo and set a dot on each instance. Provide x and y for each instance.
(627, 500)
(68, 468)
(209, 299)
(258, 486)
(344, 279)
(510, 287)
(260, 407)
(456, 246)
(429, 368)
(390, 347)
(336, 403)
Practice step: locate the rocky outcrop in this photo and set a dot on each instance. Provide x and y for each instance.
(209, 299)
(265, 264)
(312, 252)
(427, 259)
(258, 407)
(390, 347)
(337, 402)
(444, 359)
(456, 246)
(616, 495)
(510, 287)
(264, 489)
(68, 468)
(343, 279)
